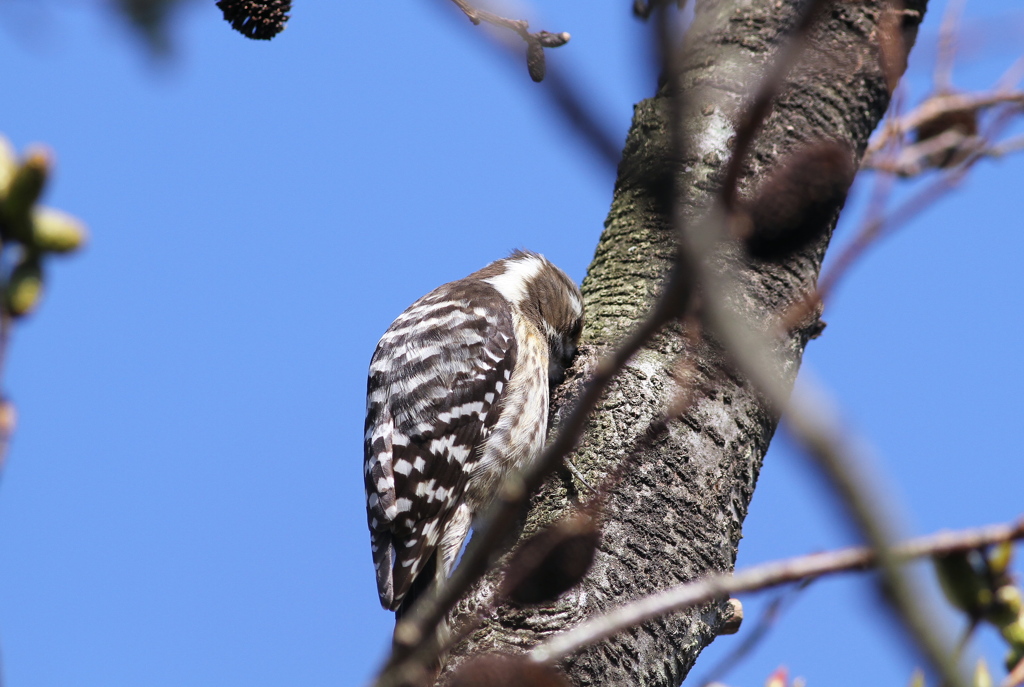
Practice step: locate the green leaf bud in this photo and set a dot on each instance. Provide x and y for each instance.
(23, 191)
(54, 231)
(25, 287)
(8, 164)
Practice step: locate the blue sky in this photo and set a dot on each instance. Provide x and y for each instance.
(182, 502)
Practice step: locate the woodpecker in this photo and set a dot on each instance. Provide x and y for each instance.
(456, 399)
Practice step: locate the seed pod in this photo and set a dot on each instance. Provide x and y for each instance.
(793, 207)
(499, 670)
(256, 19)
(553, 561)
(25, 287)
(535, 60)
(54, 231)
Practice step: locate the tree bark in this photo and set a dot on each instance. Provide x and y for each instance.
(677, 514)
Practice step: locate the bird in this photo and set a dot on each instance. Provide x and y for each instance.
(457, 399)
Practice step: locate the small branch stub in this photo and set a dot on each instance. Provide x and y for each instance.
(732, 617)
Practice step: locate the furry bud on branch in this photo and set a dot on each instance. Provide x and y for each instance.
(553, 561)
(793, 206)
(535, 60)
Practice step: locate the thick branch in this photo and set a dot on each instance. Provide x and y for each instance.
(677, 515)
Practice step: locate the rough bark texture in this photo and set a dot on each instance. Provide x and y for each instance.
(677, 514)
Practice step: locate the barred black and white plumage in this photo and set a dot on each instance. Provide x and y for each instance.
(457, 397)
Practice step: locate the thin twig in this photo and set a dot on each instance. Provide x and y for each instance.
(835, 456)
(936, 106)
(1016, 676)
(761, 577)
(578, 113)
(921, 157)
(943, 76)
(1011, 77)
(535, 42)
(563, 93)
(520, 26)
(1010, 145)
(878, 226)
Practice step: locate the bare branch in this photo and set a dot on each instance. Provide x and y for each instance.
(564, 94)
(763, 577)
(1010, 145)
(936, 107)
(878, 224)
(1011, 77)
(535, 42)
(947, 45)
(915, 159)
(578, 113)
(1016, 676)
(520, 26)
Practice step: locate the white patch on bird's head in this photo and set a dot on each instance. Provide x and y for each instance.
(545, 297)
(514, 281)
(576, 303)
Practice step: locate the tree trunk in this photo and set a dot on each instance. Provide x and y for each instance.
(677, 513)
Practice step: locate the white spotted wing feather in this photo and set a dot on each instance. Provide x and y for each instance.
(435, 388)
